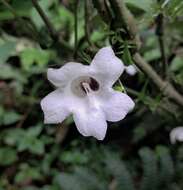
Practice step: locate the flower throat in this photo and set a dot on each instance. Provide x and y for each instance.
(84, 85)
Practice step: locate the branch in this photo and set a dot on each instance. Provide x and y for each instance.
(128, 22)
(164, 86)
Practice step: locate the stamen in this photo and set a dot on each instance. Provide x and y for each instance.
(86, 87)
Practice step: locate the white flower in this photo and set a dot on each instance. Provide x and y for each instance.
(86, 92)
(176, 135)
(131, 69)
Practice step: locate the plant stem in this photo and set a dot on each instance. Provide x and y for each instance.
(164, 86)
(60, 43)
(87, 28)
(76, 28)
(160, 35)
(46, 20)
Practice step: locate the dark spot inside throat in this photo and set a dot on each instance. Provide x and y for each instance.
(94, 85)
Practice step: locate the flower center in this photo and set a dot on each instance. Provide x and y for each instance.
(84, 85)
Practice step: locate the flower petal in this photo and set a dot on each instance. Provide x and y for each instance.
(55, 107)
(91, 122)
(107, 65)
(116, 105)
(60, 77)
(176, 135)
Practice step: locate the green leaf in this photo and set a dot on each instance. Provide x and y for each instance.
(27, 173)
(150, 174)
(177, 64)
(31, 142)
(145, 5)
(127, 58)
(26, 139)
(119, 88)
(31, 56)
(139, 134)
(21, 7)
(34, 131)
(37, 147)
(6, 49)
(8, 72)
(13, 136)
(119, 170)
(7, 156)
(65, 17)
(1, 115)
(8, 117)
(38, 21)
(74, 157)
(153, 54)
(174, 8)
(11, 117)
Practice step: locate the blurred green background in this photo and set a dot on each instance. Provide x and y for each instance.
(136, 153)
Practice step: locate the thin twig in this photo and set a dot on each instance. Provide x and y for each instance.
(160, 35)
(100, 5)
(60, 43)
(46, 20)
(87, 28)
(10, 8)
(76, 28)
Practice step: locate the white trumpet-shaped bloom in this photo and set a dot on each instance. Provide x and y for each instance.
(176, 135)
(85, 91)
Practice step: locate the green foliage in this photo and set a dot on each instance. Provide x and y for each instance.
(7, 156)
(158, 169)
(174, 8)
(166, 167)
(26, 173)
(150, 179)
(26, 139)
(74, 157)
(7, 72)
(30, 56)
(117, 168)
(127, 58)
(145, 5)
(6, 49)
(8, 117)
(82, 180)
